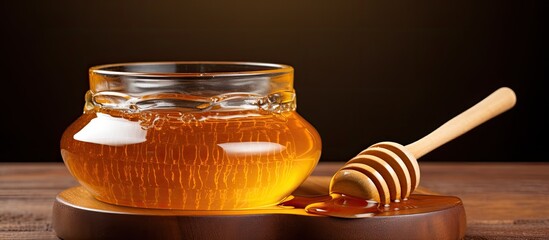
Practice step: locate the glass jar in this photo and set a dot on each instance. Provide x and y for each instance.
(191, 136)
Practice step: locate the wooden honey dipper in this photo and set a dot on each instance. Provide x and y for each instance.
(388, 171)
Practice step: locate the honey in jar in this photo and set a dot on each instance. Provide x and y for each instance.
(191, 136)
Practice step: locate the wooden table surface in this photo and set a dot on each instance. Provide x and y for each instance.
(502, 200)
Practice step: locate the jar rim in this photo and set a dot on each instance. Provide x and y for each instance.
(247, 69)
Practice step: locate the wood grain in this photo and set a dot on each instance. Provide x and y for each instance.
(27, 192)
(502, 200)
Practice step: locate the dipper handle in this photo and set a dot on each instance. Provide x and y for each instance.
(494, 104)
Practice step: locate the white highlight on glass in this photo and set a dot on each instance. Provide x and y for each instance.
(251, 147)
(111, 131)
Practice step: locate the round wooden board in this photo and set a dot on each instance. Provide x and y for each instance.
(77, 215)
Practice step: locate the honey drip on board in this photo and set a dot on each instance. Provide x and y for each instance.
(345, 206)
(341, 205)
(199, 161)
(336, 205)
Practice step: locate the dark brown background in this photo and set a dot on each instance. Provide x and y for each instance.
(366, 71)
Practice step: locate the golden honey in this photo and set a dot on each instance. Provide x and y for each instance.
(228, 151)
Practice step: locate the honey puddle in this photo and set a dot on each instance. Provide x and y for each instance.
(344, 206)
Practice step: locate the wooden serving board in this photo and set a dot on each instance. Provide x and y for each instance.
(77, 215)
